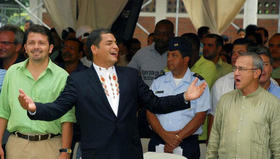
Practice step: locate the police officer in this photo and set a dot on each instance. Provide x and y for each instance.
(178, 130)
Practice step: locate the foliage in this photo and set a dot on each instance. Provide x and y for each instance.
(13, 13)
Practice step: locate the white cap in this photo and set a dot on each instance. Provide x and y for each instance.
(82, 30)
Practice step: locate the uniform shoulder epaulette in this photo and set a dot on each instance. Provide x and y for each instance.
(161, 74)
(198, 76)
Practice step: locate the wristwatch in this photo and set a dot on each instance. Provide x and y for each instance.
(65, 150)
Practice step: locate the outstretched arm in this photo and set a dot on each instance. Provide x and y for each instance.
(26, 102)
(65, 101)
(167, 104)
(194, 91)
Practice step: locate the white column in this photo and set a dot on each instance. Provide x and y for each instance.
(250, 13)
(177, 18)
(161, 10)
(34, 4)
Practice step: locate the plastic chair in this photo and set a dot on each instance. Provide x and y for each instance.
(155, 155)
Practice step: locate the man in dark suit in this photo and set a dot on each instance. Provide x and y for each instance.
(105, 97)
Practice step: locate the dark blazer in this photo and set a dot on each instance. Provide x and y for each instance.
(103, 134)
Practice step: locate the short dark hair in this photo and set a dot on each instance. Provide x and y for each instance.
(166, 22)
(76, 40)
(219, 39)
(53, 30)
(29, 21)
(94, 38)
(202, 31)
(133, 41)
(193, 38)
(19, 34)
(41, 30)
(242, 41)
(66, 31)
(151, 34)
(257, 37)
(251, 28)
(264, 30)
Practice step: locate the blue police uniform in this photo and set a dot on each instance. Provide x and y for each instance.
(274, 89)
(2, 75)
(164, 86)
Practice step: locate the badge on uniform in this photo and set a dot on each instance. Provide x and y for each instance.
(158, 92)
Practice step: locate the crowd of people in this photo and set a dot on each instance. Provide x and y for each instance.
(106, 93)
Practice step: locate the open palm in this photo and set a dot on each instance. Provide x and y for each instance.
(26, 102)
(194, 91)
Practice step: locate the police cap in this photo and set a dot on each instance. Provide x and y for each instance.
(184, 46)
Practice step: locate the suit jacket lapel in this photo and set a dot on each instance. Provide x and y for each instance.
(95, 83)
(121, 78)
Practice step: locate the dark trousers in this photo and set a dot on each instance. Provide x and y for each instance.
(143, 125)
(189, 145)
(95, 153)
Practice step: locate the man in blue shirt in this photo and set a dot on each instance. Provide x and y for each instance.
(265, 80)
(6, 135)
(2, 74)
(180, 128)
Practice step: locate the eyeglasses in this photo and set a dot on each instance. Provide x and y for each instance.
(242, 69)
(7, 42)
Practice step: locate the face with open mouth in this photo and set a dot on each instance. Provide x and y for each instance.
(106, 54)
(244, 73)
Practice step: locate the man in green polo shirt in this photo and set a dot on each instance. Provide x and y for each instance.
(43, 81)
(210, 66)
(206, 69)
(212, 47)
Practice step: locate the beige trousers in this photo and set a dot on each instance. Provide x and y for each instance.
(19, 148)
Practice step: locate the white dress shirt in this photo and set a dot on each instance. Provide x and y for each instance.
(109, 80)
(222, 85)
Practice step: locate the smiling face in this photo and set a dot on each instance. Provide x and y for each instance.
(71, 52)
(246, 76)
(106, 53)
(8, 48)
(37, 47)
